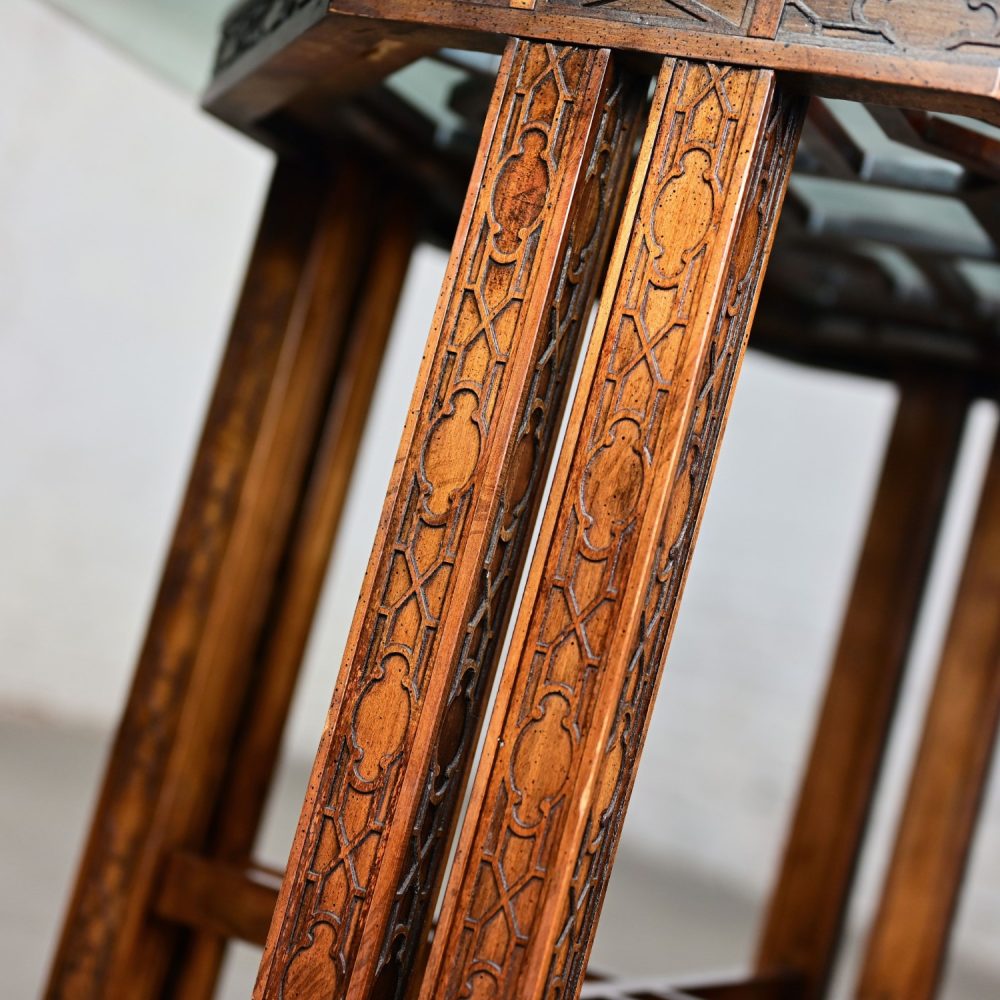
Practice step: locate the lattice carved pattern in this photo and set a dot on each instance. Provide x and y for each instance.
(595, 535)
(904, 24)
(429, 522)
(726, 16)
(716, 382)
(582, 266)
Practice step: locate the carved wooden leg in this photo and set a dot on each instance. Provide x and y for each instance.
(909, 941)
(806, 913)
(355, 902)
(564, 740)
(246, 483)
(278, 658)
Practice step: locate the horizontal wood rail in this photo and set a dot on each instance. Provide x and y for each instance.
(236, 901)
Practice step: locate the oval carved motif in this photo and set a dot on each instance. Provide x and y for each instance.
(588, 216)
(312, 971)
(521, 187)
(611, 483)
(452, 452)
(522, 465)
(539, 765)
(684, 206)
(382, 718)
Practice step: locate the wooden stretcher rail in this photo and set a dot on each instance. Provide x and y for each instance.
(235, 901)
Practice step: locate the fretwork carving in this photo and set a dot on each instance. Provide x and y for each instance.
(582, 264)
(708, 15)
(530, 246)
(659, 372)
(715, 385)
(945, 25)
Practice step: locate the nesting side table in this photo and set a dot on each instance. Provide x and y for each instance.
(635, 152)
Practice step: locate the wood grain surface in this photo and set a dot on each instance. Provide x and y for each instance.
(909, 941)
(197, 662)
(256, 740)
(805, 917)
(564, 739)
(519, 285)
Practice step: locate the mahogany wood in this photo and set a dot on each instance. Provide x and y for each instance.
(257, 740)
(135, 775)
(398, 741)
(166, 876)
(167, 764)
(566, 731)
(908, 944)
(219, 898)
(807, 907)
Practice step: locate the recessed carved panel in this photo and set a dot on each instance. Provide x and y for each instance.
(944, 25)
(715, 383)
(563, 653)
(712, 15)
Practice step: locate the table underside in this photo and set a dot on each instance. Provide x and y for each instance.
(887, 255)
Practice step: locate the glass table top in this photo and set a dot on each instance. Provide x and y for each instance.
(873, 189)
(176, 40)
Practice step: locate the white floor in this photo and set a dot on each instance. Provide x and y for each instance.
(656, 920)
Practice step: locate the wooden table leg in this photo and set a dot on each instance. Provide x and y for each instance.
(563, 744)
(278, 658)
(806, 913)
(908, 944)
(246, 483)
(354, 906)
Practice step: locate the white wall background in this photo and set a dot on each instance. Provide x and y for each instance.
(125, 218)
